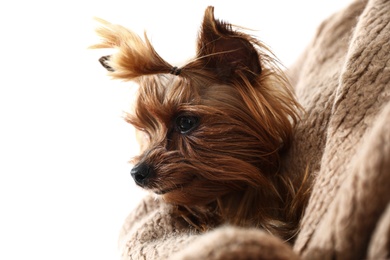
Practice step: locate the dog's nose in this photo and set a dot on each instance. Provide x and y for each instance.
(140, 173)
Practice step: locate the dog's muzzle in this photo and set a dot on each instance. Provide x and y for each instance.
(141, 173)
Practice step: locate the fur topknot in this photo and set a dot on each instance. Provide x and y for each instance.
(226, 170)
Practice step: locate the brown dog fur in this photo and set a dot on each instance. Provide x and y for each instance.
(240, 113)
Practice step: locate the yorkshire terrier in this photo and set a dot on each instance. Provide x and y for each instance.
(215, 128)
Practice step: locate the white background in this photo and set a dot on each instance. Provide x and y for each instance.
(65, 187)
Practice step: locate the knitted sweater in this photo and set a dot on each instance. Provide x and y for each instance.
(343, 82)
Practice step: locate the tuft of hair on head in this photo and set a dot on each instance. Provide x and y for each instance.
(135, 57)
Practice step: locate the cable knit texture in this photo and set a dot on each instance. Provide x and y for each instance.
(343, 82)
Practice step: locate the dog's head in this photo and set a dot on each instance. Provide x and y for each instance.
(212, 127)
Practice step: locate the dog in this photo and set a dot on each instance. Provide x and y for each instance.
(215, 129)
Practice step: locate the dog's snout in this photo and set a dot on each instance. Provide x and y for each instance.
(140, 173)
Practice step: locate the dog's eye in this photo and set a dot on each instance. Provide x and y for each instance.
(184, 124)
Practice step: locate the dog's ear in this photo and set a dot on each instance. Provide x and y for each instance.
(229, 53)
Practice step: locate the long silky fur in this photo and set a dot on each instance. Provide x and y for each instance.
(227, 169)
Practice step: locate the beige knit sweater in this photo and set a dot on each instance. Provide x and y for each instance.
(343, 82)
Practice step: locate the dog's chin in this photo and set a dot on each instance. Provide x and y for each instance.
(166, 191)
